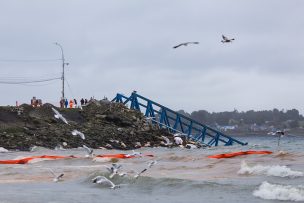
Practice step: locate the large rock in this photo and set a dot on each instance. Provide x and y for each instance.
(101, 122)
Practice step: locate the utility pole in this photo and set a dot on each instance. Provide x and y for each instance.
(63, 64)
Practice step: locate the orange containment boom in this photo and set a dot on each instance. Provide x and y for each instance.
(121, 156)
(233, 154)
(50, 157)
(28, 159)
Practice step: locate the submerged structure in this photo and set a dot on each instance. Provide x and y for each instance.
(175, 122)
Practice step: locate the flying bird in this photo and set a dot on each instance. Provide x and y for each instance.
(76, 132)
(102, 179)
(114, 170)
(88, 150)
(33, 148)
(184, 44)
(57, 178)
(59, 116)
(134, 153)
(141, 172)
(226, 40)
(152, 163)
(280, 132)
(59, 147)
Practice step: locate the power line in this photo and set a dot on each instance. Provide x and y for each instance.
(39, 84)
(27, 82)
(15, 78)
(70, 88)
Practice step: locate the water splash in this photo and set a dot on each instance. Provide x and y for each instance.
(277, 170)
(280, 192)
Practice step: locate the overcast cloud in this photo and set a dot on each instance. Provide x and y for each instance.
(125, 45)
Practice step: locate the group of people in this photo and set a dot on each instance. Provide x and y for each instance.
(34, 102)
(65, 103)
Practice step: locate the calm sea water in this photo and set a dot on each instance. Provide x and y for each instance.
(181, 175)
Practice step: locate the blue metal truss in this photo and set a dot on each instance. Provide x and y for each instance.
(175, 122)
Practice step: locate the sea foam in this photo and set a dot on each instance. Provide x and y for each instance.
(280, 192)
(277, 170)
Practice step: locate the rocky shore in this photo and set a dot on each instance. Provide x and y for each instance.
(105, 125)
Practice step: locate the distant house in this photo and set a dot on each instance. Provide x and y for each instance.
(254, 127)
(226, 127)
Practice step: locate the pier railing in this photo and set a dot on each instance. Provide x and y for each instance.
(175, 122)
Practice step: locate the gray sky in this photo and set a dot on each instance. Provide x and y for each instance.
(125, 45)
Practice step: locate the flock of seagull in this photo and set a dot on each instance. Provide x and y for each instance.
(224, 40)
(114, 169)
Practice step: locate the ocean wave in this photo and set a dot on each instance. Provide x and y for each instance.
(280, 192)
(146, 183)
(277, 170)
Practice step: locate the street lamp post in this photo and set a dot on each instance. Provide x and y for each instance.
(63, 64)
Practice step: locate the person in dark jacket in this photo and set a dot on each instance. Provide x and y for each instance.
(61, 103)
(75, 103)
(82, 101)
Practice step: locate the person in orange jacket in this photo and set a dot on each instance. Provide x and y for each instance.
(71, 103)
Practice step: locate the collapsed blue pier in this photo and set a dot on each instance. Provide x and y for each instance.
(175, 122)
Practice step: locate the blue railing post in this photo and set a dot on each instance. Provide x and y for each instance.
(134, 102)
(189, 129)
(149, 110)
(118, 98)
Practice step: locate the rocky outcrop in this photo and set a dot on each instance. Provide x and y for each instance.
(105, 124)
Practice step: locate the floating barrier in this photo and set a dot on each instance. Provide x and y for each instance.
(121, 156)
(28, 159)
(51, 157)
(233, 154)
(117, 156)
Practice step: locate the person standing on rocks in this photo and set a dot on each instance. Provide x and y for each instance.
(75, 103)
(61, 103)
(71, 103)
(66, 103)
(82, 101)
(85, 101)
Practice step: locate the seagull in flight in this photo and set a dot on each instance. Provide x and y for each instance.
(59, 116)
(141, 172)
(134, 153)
(76, 132)
(114, 170)
(102, 179)
(184, 44)
(88, 150)
(57, 177)
(59, 147)
(152, 163)
(280, 132)
(226, 39)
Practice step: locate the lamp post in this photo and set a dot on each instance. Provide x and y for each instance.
(63, 64)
